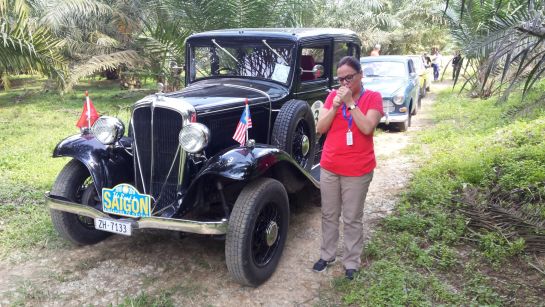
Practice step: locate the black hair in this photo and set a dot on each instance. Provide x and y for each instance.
(350, 61)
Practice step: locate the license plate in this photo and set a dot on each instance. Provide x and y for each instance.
(125, 200)
(122, 228)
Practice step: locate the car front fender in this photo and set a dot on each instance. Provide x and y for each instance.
(107, 165)
(247, 163)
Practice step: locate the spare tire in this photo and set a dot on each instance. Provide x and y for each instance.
(295, 133)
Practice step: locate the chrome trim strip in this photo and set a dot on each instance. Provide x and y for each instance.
(183, 158)
(152, 156)
(395, 118)
(166, 179)
(186, 110)
(208, 228)
(138, 157)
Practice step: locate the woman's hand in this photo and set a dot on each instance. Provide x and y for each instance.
(337, 102)
(345, 94)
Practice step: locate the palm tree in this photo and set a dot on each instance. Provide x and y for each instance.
(96, 35)
(167, 23)
(503, 40)
(25, 46)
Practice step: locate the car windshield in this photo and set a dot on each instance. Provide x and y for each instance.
(234, 58)
(384, 69)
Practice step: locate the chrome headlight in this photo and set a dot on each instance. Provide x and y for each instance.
(194, 137)
(108, 129)
(398, 99)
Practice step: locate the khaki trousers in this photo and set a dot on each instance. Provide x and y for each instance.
(347, 195)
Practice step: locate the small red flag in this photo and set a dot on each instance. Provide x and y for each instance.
(89, 114)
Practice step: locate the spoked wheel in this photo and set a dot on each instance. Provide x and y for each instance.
(301, 143)
(295, 133)
(74, 183)
(266, 237)
(257, 231)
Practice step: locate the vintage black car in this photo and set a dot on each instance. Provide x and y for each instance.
(180, 169)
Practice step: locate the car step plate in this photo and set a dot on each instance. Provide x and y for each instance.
(122, 228)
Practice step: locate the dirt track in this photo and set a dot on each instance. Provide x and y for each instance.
(192, 269)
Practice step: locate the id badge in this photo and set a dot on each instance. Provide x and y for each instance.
(349, 139)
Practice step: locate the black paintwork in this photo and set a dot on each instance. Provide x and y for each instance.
(108, 166)
(218, 102)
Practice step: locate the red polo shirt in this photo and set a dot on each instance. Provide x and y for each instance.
(350, 160)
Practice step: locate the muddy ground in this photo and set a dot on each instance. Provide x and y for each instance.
(191, 270)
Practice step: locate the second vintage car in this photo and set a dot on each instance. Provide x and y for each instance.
(190, 161)
(395, 78)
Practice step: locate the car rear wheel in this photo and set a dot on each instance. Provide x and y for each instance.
(294, 132)
(257, 231)
(74, 183)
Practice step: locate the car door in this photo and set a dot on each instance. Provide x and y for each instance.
(413, 79)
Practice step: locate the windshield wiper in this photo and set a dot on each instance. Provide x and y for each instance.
(275, 52)
(224, 50)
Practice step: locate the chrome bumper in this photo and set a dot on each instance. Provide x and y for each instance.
(395, 118)
(208, 228)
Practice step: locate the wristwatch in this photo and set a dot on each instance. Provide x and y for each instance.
(351, 107)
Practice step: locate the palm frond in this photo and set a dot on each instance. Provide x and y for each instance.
(23, 47)
(128, 58)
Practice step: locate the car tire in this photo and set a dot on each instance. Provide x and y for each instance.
(404, 126)
(73, 183)
(294, 132)
(257, 231)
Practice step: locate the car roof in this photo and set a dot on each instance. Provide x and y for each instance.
(285, 33)
(385, 58)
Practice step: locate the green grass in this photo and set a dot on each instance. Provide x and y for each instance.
(32, 122)
(425, 254)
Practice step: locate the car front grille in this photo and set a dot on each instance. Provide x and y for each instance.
(157, 154)
(388, 106)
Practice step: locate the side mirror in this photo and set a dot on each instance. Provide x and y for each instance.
(173, 65)
(413, 75)
(318, 71)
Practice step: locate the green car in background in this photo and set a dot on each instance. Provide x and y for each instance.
(424, 74)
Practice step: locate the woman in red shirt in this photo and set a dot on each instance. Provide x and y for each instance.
(349, 117)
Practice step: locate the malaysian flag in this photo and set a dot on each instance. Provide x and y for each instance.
(244, 124)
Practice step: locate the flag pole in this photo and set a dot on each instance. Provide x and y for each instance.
(88, 109)
(247, 117)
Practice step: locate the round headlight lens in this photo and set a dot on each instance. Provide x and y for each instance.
(108, 129)
(398, 99)
(194, 137)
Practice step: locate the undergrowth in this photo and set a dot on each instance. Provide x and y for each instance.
(484, 163)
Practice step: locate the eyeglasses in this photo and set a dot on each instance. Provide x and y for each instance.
(348, 78)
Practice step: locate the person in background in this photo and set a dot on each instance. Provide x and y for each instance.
(456, 65)
(435, 63)
(349, 117)
(375, 51)
(427, 59)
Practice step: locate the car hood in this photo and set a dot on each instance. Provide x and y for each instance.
(385, 86)
(216, 94)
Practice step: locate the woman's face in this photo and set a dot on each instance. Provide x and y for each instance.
(349, 77)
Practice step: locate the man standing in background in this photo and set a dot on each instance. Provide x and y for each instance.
(375, 51)
(435, 63)
(456, 65)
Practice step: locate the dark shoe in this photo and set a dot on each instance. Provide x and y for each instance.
(349, 274)
(321, 265)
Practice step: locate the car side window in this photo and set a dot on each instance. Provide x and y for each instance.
(310, 57)
(340, 50)
(411, 66)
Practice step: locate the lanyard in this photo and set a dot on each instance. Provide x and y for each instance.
(349, 119)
